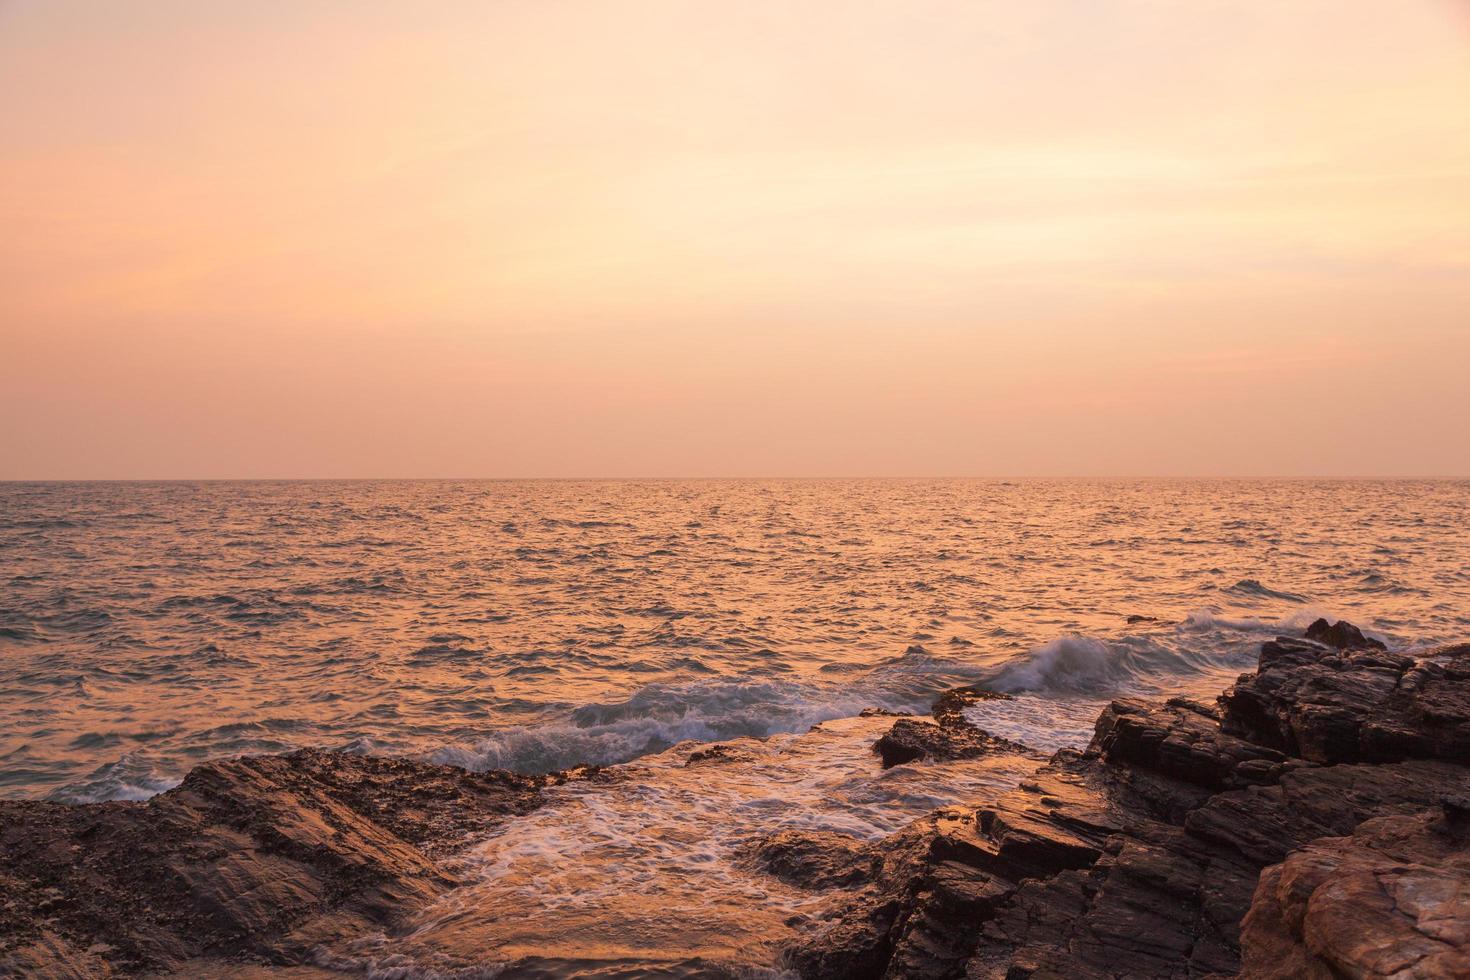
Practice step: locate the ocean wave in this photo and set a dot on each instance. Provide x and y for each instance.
(1251, 588)
(134, 777)
(1210, 619)
(1206, 644)
(658, 716)
(22, 633)
(1087, 665)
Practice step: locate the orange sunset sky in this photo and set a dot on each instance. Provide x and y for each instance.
(546, 238)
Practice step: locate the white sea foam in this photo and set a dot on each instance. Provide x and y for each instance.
(658, 716)
(133, 777)
(1045, 723)
(591, 877)
(1211, 619)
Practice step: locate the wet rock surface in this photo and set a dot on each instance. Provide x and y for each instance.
(816, 859)
(913, 739)
(949, 736)
(1317, 824)
(1341, 635)
(257, 859)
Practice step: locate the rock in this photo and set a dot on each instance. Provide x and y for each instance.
(1182, 740)
(258, 859)
(912, 739)
(1342, 635)
(1153, 905)
(815, 859)
(717, 753)
(939, 878)
(910, 919)
(1141, 856)
(949, 709)
(1263, 824)
(1357, 706)
(1391, 900)
(950, 736)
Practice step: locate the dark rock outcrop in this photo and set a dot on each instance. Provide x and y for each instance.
(949, 708)
(1341, 635)
(257, 859)
(1327, 706)
(912, 739)
(949, 736)
(1141, 856)
(1182, 739)
(815, 859)
(720, 752)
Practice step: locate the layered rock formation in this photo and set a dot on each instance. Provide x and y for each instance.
(1337, 768)
(260, 858)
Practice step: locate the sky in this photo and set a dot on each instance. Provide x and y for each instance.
(529, 238)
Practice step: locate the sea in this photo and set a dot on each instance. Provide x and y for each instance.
(146, 628)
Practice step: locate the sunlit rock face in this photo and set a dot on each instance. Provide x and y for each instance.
(1392, 899)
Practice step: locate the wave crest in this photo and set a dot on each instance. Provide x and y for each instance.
(658, 716)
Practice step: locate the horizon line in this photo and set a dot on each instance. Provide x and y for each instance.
(1344, 478)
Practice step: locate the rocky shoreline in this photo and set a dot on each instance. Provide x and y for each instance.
(1316, 823)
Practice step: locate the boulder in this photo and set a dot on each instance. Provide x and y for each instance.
(912, 739)
(815, 859)
(949, 736)
(1342, 635)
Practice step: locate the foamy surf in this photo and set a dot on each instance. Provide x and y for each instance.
(1060, 685)
(1044, 723)
(659, 716)
(133, 777)
(589, 881)
(1195, 657)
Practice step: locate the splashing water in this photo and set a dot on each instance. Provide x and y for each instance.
(652, 872)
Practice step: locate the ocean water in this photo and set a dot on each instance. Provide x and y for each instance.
(146, 627)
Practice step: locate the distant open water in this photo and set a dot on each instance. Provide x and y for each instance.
(147, 627)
